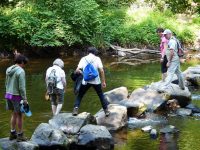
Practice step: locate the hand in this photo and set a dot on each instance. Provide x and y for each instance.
(182, 60)
(78, 71)
(168, 64)
(104, 84)
(25, 102)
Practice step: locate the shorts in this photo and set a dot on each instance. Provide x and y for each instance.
(57, 97)
(13, 105)
(164, 65)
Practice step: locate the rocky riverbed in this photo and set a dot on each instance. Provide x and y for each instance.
(141, 108)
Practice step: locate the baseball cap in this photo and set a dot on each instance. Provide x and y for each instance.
(167, 31)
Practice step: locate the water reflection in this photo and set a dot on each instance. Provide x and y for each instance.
(121, 75)
(169, 142)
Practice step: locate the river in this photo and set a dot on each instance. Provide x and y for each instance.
(120, 75)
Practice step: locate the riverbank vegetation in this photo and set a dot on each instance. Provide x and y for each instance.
(36, 25)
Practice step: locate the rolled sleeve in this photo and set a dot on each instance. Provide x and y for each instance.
(100, 64)
(80, 65)
(63, 78)
(172, 45)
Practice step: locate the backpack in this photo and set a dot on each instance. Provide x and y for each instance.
(51, 82)
(179, 48)
(89, 73)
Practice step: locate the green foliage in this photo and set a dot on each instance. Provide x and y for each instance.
(113, 3)
(48, 23)
(56, 23)
(177, 6)
(82, 15)
(138, 29)
(111, 22)
(196, 20)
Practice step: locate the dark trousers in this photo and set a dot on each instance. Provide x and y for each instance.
(84, 89)
(164, 65)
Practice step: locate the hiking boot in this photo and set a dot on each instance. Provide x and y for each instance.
(75, 111)
(107, 112)
(13, 135)
(21, 137)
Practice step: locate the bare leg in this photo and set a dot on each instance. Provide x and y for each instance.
(53, 109)
(13, 121)
(20, 135)
(58, 109)
(20, 122)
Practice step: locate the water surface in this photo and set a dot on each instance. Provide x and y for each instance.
(121, 75)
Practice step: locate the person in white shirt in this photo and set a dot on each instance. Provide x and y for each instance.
(96, 83)
(57, 94)
(173, 63)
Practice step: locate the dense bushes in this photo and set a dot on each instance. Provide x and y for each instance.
(136, 28)
(48, 23)
(58, 24)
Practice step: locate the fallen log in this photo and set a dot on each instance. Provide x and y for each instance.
(134, 64)
(134, 51)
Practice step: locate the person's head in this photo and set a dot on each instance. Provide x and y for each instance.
(59, 62)
(167, 33)
(21, 60)
(159, 31)
(92, 50)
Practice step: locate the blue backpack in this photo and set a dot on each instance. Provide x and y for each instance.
(89, 73)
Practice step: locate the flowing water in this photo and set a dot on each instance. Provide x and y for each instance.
(122, 75)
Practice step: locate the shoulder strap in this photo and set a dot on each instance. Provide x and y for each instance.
(53, 71)
(88, 61)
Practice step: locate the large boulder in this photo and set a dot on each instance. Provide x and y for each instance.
(192, 75)
(173, 92)
(150, 98)
(96, 137)
(70, 124)
(117, 118)
(46, 135)
(116, 95)
(6, 144)
(134, 108)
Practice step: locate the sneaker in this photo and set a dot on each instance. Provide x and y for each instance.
(75, 111)
(13, 135)
(107, 112)
(21, 137)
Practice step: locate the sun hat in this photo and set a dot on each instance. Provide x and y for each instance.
(59, 63)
